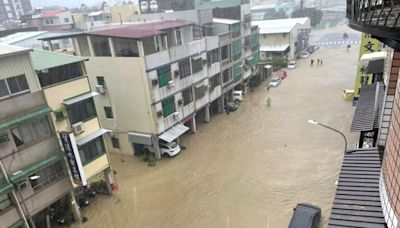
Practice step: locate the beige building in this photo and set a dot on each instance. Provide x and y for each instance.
(123, 13)
(286, 38)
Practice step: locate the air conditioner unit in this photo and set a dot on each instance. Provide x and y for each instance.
(176, 73)
(160, 113)
(175, 115)
(4, 139)
(154, 82)
(78, 128)
(180, 102)
(100, 89)
(171, 83)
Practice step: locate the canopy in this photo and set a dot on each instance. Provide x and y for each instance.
(80, 98)
(91, 136)
(173, 133)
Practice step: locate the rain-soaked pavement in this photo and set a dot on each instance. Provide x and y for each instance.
(246, 169)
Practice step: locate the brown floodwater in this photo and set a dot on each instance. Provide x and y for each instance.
(246, 169)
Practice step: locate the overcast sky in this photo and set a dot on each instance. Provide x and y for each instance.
(70, 3)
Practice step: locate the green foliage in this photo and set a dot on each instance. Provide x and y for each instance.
(314, 15)
(150, 159)
(278, 62)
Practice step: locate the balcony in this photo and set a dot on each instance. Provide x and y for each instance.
(379, 18)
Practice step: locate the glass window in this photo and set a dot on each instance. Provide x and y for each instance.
(125, 47)
(149, 45)
(197, 64)
(115, 142)
(226, 76)
(178, 37)
(187, 96)
(184, 68)
(47, 176)
(83, 45)
(5, 202)
(17, 84)
(108, 112)
(164, 76)
(168, 106)
(81, 111)
(171, 38)
(200, 91)
(35, 130)
(213, 56)
(92, 150)
(3, 89)
(225, 52)
(59, 74)
(100, 80)
(214, 81)
(101, 47)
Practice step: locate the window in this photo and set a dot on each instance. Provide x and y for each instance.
(83, 45)
(215, 81)
(236, 50)
(149, 45)
(164, 76)
(200, 91)
(47, 176)
(81, 111)
(5, 202)
(125, 47)
(178, 37)
(226, 76)
(171, 38)
(115, 142)
(92, 150)
(168, 106)
(224, 52)
(197, 64)
(14, 85)
(66, 20)
(35, 130)
(187, 96)
(49, 21)
(213, 56)
(108, 112)
(59, 74)
(101, 81)
(101, 47)
(184, 68)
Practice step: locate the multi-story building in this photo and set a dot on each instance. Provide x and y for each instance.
(286, 38)
(33, 174)
(368, 191)
(157, 79)
(50, 21)
(13, 9)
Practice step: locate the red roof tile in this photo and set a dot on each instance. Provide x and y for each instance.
(140, 30)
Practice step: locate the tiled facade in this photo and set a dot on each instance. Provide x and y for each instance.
(391, 163)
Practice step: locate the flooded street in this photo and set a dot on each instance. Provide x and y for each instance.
(249, 168)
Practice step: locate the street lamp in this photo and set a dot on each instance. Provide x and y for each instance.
(333, 129)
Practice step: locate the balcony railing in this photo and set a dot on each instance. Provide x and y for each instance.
(380, 18)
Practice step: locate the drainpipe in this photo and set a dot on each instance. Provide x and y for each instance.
(14, 196)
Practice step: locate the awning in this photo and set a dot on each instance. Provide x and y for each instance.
(13, 121)
(369, 106)
(140, 138)
(91, 136)
(80, 98)
(5, 187)
(274, 48)
(173, 133)
(366, 58)
(96, 13)
(29, 170)
(357, 201)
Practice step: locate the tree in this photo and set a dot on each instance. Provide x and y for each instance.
(314, 15)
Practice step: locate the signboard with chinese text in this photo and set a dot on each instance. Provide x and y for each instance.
(73, 158)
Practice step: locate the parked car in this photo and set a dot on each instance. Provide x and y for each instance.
(274, 82)
(312, 48)
(305, 216)
(282, 74)
(171, 149)
(348, 94)
(231, 106)
(304, 55)
(237, 95)
(292, 65)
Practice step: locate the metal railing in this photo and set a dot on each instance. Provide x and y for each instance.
(385, 13)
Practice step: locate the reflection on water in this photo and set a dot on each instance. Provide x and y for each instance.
(246, 169)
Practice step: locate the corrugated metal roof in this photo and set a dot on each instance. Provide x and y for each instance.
(173, 133)
(6, 49)
(271, 48)
(20, 36)
(369, 106)
(225, 21)
(357, 201)
(140, 30)
(46, 59)
(279, 25)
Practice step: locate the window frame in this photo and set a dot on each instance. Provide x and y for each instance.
(189, 96)
(86, 158)
(164, 73)
(185, 68)
(108, 112)
(115, 143)
(88, 117)
(168, 103)
(199, 61)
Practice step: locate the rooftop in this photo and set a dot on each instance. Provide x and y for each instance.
(20, 36)
(6, 50)
(279, 25)
(225, 21)
(47, 59)
(52, 13)
(140, 30)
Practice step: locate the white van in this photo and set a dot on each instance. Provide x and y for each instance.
(237, 96)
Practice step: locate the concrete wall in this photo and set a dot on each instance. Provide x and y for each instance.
(9, 217)
(8, 68)
(96, 166)
(124, 12)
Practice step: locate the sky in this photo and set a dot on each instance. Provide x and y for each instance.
(71, 3)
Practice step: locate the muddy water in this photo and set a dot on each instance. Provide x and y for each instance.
(246, 169)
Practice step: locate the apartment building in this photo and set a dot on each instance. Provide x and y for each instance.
(33, 174)
(158, 79)
(50, 21)
(13, 9)
(68, 94)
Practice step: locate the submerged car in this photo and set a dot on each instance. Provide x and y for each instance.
(305, 216)
(237, 95)
(166, 148)
(274, 82)
(348, 94)
(304, 55)
(292, 65)
(231, 106)
(312, 48)
(282, 74)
